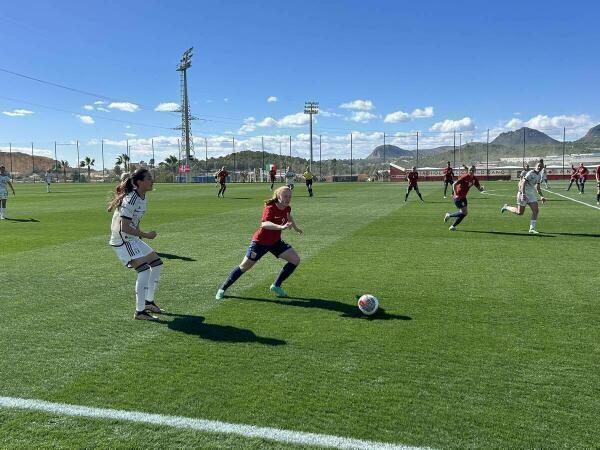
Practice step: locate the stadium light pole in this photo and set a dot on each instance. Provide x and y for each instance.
(78, 162)
(206, 155)
(319, 157)
(564, 144)
(311, 108)
(186, 130)
(10, 156)
(417, 149)
(454, 150)
(384, 148)
(102, 150)
(350, 156)
(523, 162)
(32, 162)
(487, 154)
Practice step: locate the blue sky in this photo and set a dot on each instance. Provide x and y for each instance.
(375, 67)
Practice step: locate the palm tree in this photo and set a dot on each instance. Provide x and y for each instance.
(123, 159)
(87, 162)
(64, 164)
(171, 163)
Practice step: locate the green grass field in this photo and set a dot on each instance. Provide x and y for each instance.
(488, 337)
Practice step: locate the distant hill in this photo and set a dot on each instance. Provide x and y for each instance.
(22, 163)
(591, 137)
(391, 151)
(515, 138)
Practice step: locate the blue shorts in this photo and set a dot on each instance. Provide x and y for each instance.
(460, 202)
(256, 251)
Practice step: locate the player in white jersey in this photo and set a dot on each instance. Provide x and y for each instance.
(529, 185)
(48, 177)
(289, 177)
(129, 205)
(4, 185)
(544, 177)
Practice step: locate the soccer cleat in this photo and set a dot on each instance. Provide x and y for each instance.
(452, 228)
(504, 208)
(153, 307)
(278, 291)
(446, 217)
(144, 315)
(445, 196)
(1, 216)
(220, 294)
(533, 231)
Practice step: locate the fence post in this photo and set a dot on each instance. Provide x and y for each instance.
(32, 163)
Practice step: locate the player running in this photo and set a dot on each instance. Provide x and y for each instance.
(544, 174)
(574, 178)
(272, 175)
(413, 183)
(221, 176)
(583, 172)
(276, 217)
(289, 177)
(448, 178)
(526, 195)
(4, 182)
(308, 177)
(598, 185)
(460, 189)
(126, 239)
(48, 177)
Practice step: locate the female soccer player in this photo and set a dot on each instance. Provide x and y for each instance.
(413, 183)
(598, 185)
(289, 177)
(272, 175)
(4, 181)
(583, 172)
(574, 178)
(276, 217)
(528, 185)
(460, 189)
(129, 208)
(48, 177)
(308, 177)
(222, 175)
(448, 178)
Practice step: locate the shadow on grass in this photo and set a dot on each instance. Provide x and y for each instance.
(577, 234)
(171, 256)
(22, 220)
(239, 198)
(508, 233)
(196, 326)
(350, 311)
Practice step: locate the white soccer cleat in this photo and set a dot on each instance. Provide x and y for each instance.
(533, 231)
(446, 217)
(1, 216)
(452, 228)
(504, 208)
(220, 294)
(445, 196)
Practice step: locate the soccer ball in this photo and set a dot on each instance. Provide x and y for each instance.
(368, 304)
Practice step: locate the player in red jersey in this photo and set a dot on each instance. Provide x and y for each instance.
(272, 175)
(221, 176)
(413, 183)
(574, 178)
(598, 185)
(276, 217)
(583, 172)
(448, 178)
(460, 189)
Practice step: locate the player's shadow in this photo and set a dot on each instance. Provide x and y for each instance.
(31, 219)
(577, 234)
(171, 256)
(349, 311)
(239, 198)
(196, 326)
(508, 233)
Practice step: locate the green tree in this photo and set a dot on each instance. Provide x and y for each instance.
(64, 164)
(88, 162)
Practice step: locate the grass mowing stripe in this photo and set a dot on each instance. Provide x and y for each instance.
(572, 199)
(212, 426)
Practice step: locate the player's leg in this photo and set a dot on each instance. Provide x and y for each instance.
(223, 188)
(445, 188)
(156, 265)
(408, 189)
(292, 261)
(582, 183)
(519, 209)
(598, 194)
(253, 254)
(534, 213)
(2, 207)
(578, 186)
(419, 193)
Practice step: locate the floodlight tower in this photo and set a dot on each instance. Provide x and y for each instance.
(311, 108)
(186, 117)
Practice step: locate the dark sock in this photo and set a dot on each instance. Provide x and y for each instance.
(458, 219)
(598, 197)
(406, 196)
(233, 276)
(287, 270)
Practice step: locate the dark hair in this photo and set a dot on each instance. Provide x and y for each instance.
(127, 186)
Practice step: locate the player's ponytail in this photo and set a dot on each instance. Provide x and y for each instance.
(275, 198)
(127, 186)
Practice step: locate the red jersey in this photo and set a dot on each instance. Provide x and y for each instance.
(222, 176)
(413, 177)
(583, 171)
(272, 174)
(271, 213)
(448, 174)
(597, 172)
(574, 173)
(463, 184)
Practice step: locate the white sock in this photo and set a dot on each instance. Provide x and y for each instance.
(153, 280)
(532, 225)
(141, 286)
(1, 211)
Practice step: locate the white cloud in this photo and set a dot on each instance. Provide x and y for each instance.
(99, 102)
(167, 107)
(398, 116)
(247, 128)
(290, 121)
(294, 120)
(325, 113)
(225, 99)
(362, 116)
(268, 122)
(464, 124)
(130, 135)
(128, 126)
(541, 122)
(86, 119)
(100, 108)
(17, 112)
(88, 107)
(362, 105)
(421, 113)
(514, 123)
(272, 99)
(124, 106)
(209, 101)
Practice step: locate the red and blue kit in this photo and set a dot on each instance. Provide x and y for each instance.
(448, 174)
(271, 213)
(583, 171)
(222, 176)
(463, 184)
(574, 173)
(272, 174)
(413, 178)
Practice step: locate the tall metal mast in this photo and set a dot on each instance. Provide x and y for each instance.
(187, 140)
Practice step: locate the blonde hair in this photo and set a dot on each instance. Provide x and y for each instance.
(275, 198)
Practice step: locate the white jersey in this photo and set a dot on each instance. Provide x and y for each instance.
(133, 208)
(4, 180)
(48, 178)
(289, 177)
(532, 178)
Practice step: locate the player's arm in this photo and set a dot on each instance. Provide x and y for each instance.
(521, 185)
(294, 226)
(268, 225)
(538, 188)
(127, 226)
(11, 187)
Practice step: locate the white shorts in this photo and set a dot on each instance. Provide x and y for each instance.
(523, 199)
(3, 194)
(131, 250)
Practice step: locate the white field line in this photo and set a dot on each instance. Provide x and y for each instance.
(572, 199)
(211, 426)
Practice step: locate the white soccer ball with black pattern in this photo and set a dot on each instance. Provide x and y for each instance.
(368, 304)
